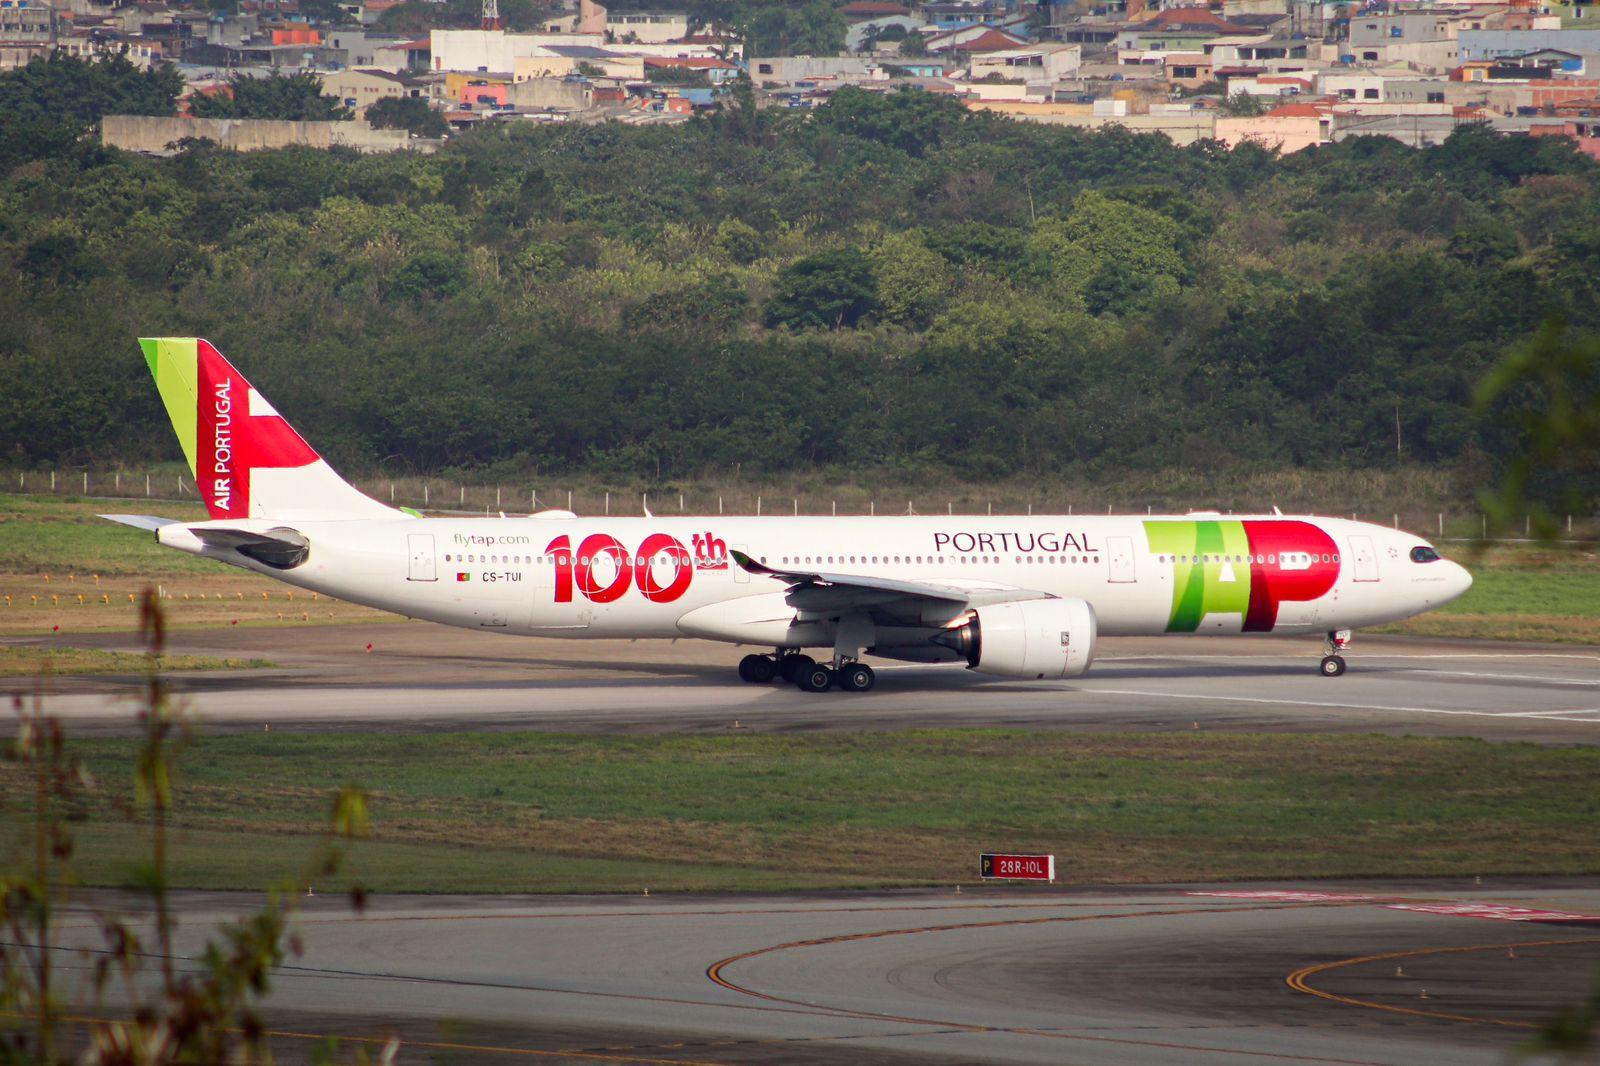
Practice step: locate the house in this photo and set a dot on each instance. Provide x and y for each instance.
(360, 89)
(975, 40)
(716, 71)
(1187, 70)
(1039, 63)
(1286, 128)
(410, 56)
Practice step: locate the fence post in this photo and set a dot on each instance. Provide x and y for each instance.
(497, 497)
(950, 507)
(147, 484)
(424, 494)
(463, 501)
(569, 499)
(835, 504)
(644, 502)
(1569, 526)
(117, 481)
(991, 508)
(1397, 521)
(872, 508)
(797, 507)
(86, 482)
(1441, 523)
(52, 481)
(1527, 525)
(608, 501)
(391, 492)
(1485, 519)
(719, 504)
(680, 503)
(758, 506)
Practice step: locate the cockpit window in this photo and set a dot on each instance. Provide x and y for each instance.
(1424, 554)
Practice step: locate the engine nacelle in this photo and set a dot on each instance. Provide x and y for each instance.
(1031, 639)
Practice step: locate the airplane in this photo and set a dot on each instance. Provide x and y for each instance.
(1016, 597)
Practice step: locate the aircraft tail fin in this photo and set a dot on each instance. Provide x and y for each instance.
(247, 461)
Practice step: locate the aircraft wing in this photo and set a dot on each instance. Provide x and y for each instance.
(815, 590)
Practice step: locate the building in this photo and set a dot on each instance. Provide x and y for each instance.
(1503, 44)
(1047, 63)
(716, 71)
(1286, 128)
(27, 29)
(360, 89)
(496, 50)
(647, 27)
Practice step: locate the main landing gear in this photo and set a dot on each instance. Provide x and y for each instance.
(806, 674)
(1332, 662)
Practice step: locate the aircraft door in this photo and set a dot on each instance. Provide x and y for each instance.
(1364, 561)
(1119, 554)
(424, 564)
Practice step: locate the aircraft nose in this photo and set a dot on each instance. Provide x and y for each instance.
(1460, 580)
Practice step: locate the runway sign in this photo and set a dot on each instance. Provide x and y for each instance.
(1017, 867)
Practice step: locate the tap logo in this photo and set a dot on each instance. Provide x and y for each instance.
(1243, 568)
(238, 433)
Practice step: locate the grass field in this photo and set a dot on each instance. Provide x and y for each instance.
(62, 566)
(36, 662)
(1519, 592)
(525, 812)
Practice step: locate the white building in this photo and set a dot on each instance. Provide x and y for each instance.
(495, 51)
(1047, 63)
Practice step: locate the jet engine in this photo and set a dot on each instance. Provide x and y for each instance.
(1031, 639)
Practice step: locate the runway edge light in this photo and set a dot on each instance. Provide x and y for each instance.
(994, 867)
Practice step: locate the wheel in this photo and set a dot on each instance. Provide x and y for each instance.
(857, 677)
(757, 669)
(1332, 665)
(814, 678)
(790, 665)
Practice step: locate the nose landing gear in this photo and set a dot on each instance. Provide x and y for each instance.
(1332, 662)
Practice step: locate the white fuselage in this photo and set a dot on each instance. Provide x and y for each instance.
(674, 577)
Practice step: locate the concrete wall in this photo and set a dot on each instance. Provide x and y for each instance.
(140, 133)
(539, 93)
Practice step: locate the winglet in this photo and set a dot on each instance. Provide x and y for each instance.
(750, 565)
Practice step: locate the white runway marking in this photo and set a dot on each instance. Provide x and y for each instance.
(1336, 706)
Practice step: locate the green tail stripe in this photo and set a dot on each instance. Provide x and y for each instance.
(175, 364)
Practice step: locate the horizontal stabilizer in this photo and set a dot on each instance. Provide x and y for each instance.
(141, 521)
(281, 548)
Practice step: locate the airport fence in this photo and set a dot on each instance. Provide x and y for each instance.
(439, 496)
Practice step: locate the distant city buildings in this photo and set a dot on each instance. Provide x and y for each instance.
(1288, 74)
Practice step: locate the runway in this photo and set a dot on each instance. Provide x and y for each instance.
(1348, 973)
(423, 677)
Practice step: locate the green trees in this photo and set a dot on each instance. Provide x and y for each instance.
(292, 97)
(407, 113)
(47, 105)
(830, 290)
(889, 280)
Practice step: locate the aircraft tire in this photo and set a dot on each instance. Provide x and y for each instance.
(814, 678)
(1332, 665)
(790, 665)
(857, 677)
(757, 669)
